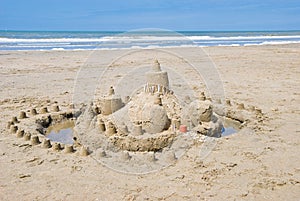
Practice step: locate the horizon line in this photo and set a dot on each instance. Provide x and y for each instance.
(132, 30)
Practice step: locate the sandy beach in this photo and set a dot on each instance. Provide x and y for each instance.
(261, 162)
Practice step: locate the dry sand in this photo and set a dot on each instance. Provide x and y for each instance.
(256, 164)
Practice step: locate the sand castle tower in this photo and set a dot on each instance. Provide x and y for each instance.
(157, 80)
(110, 103)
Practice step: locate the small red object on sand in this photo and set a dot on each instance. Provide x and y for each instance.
(183, 128)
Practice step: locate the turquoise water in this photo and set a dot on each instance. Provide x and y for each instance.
(52, 40)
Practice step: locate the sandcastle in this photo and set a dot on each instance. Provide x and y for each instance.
(150, 119)
(149, 128)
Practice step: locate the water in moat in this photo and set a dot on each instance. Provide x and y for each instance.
(61, 132)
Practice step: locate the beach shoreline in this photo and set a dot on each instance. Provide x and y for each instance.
(256, 164)
(141, 38)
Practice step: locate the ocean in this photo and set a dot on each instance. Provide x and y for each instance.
(72, 40)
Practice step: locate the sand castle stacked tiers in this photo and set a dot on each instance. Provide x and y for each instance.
(157, 80)
(110, 103)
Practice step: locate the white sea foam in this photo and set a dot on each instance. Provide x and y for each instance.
(278, 42)
(242, 37)
(145, 38)
(94, 40)
(229, 45)
(136, 41)
(50, 40)
(142, 38)
(272, 43)
(58, 49)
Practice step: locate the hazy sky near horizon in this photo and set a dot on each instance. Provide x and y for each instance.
(124, 15)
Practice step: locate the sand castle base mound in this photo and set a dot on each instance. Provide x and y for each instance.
(146, 142)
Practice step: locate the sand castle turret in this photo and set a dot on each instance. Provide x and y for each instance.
(157, 80)
(110, 103)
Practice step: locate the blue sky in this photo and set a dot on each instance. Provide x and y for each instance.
(124, 15)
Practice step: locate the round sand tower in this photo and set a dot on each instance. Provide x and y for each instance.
(157, 80)
(110, 103)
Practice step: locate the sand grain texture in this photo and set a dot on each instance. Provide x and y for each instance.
(261, 165)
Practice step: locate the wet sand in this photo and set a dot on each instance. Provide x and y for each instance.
(257, 164)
